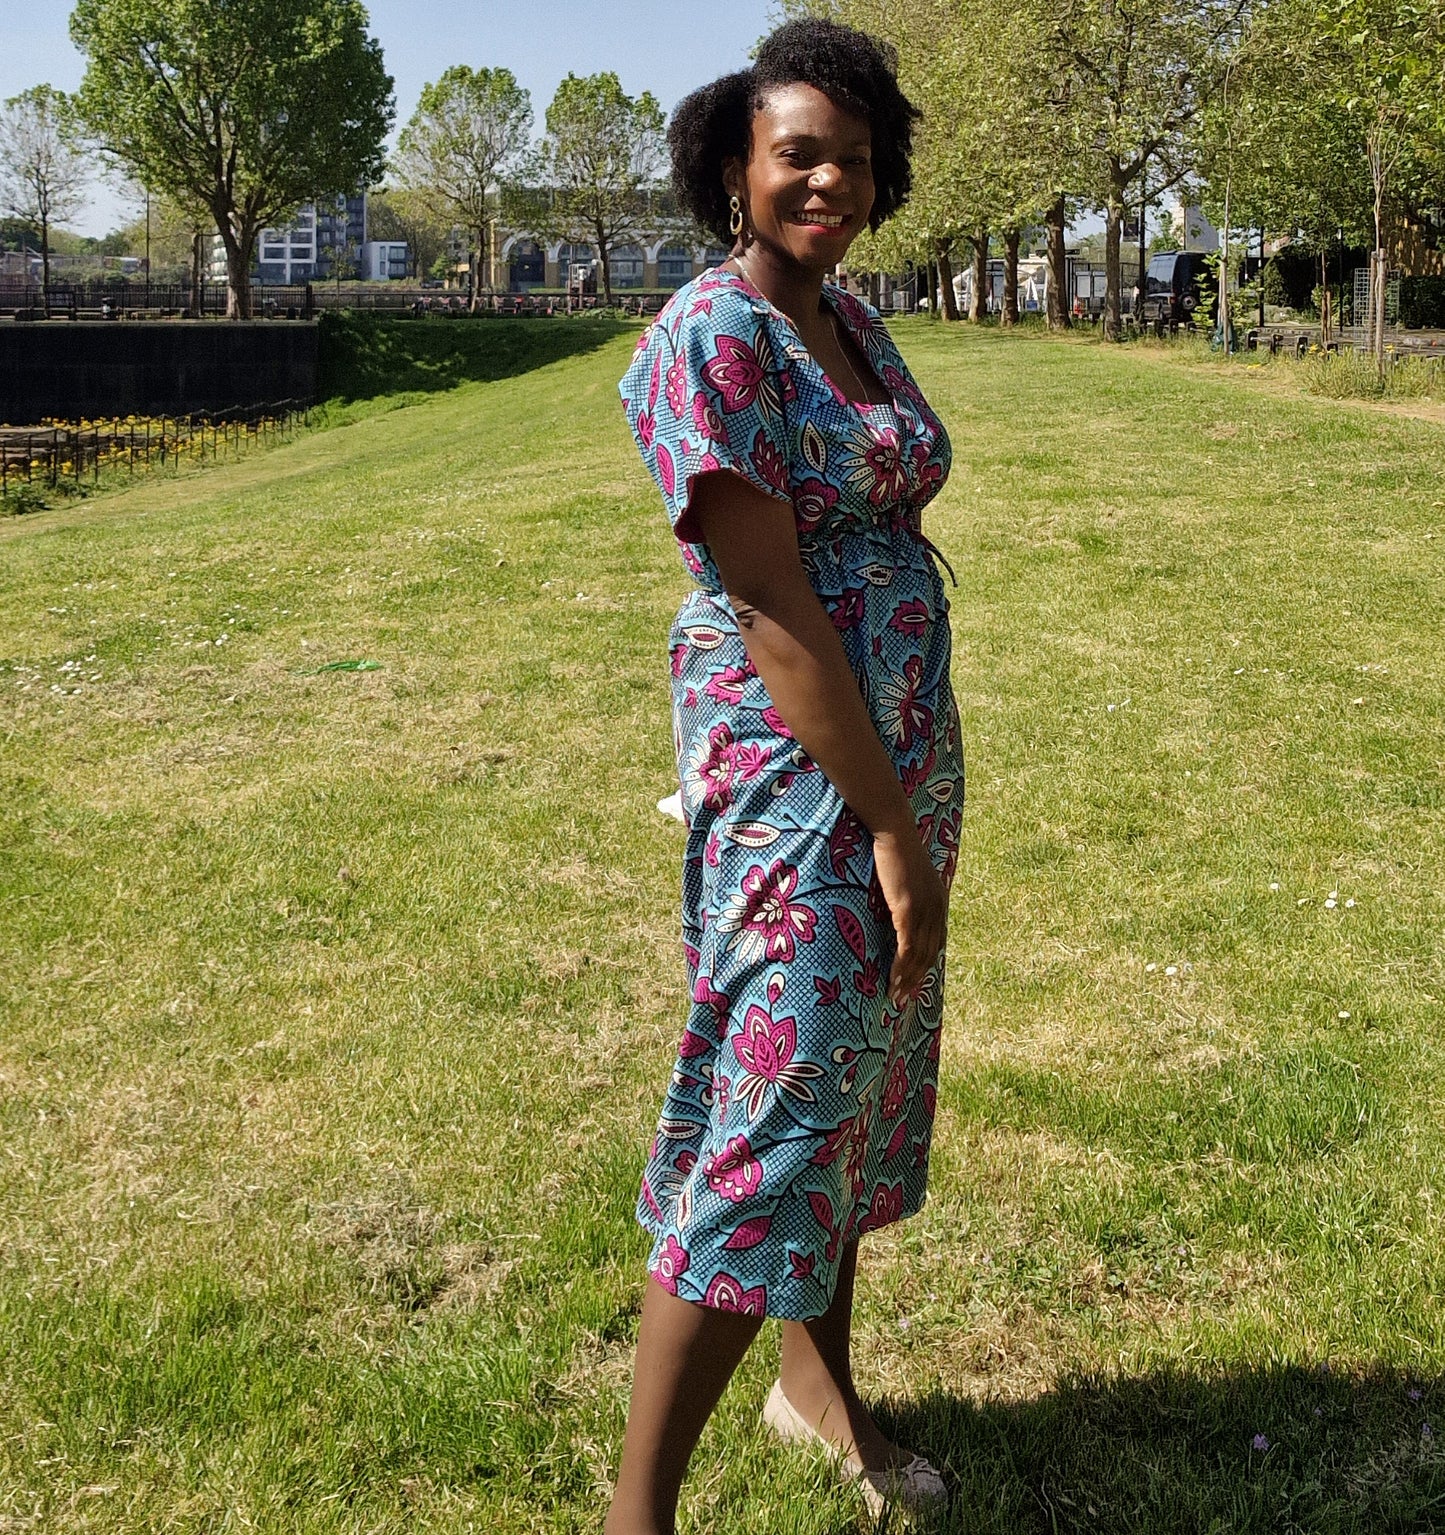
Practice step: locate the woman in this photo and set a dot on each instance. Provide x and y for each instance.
(818, 753)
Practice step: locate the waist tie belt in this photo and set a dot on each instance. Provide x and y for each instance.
(936, 552)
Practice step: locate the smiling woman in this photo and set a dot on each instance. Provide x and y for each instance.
(819, 758)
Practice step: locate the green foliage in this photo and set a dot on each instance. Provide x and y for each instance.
(1422, 302)
(1281, 140)
(1351, 375)
(245, 109)
(172, 230)
(364, 356)
(1165, 237)
(600, 162)
(1290, 277)
(994, 137)
(401, 214)
(1392, 57)
(21, 498)
(467, 137)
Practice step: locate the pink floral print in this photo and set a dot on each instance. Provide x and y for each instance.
(735, 1173)
(763, 918)
(801, 1104)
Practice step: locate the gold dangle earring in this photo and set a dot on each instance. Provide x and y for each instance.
(735, 212)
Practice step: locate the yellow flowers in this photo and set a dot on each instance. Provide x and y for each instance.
(74, 456)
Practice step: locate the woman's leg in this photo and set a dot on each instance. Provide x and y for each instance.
(686, 1355)
(817, 1377)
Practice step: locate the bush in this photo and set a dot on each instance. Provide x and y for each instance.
(1276, 290)
(1289, 277)
(20, 499)
(1351, 375)
(1422, 302)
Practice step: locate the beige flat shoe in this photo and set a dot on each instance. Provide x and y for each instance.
(915, 1489)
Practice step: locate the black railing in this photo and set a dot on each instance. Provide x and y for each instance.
(60, 453)
(119, 299)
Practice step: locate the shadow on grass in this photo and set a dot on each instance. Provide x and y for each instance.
(1272, 1449)
(365, 355)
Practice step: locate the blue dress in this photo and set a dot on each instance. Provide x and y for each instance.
(800, 1110)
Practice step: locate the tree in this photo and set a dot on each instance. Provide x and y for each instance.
(1279, 149)
(995, 136)
(469, 133)
(601, 159)
(172, 234)
(1392, 54)
(250, 108)
(43, 171)
(1142, 71)
(396, 214)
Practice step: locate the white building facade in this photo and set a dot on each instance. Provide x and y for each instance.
(310, 247)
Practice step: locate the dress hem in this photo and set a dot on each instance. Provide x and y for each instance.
(657, 1230)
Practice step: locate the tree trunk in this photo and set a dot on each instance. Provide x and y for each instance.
(1058, 297)
(1326, 315)
(1010, 276)
(978, 299)
(238, 275)
(198, 306)
(474, 270)
(606, 267)
(1113, 232)
(948, 297)
(45, 264)
(1379, 278)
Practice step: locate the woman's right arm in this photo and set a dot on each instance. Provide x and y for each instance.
(800, 659)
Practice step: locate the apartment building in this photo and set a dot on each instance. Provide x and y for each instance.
(309, 247)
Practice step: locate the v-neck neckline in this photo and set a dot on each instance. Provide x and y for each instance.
(862, 406)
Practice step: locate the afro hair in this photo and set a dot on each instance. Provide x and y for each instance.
(853, 70)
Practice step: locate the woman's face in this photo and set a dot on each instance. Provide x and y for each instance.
(807, 189)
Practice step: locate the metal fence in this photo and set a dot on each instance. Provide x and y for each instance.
(64, 452)
(301, 301)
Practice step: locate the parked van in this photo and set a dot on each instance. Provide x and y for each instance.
(1173, 285)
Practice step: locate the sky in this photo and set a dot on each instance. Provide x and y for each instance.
(667, 47)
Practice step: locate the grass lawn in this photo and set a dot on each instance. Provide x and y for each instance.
(338, 1002)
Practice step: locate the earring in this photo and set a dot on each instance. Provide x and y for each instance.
(735, 210)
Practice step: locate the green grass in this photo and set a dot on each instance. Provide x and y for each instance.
(338, 1002)
(363, 355)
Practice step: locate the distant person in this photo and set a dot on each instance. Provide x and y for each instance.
(818, 752)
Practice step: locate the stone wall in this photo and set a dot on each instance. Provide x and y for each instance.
(72, 369)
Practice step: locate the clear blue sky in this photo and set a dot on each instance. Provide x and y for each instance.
(663, 46)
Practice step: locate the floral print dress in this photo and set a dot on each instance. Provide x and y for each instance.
(800, 1110)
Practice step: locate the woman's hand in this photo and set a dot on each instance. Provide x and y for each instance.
(918, 905)
(800, 658)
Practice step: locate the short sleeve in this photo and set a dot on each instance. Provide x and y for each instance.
(705, 392)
